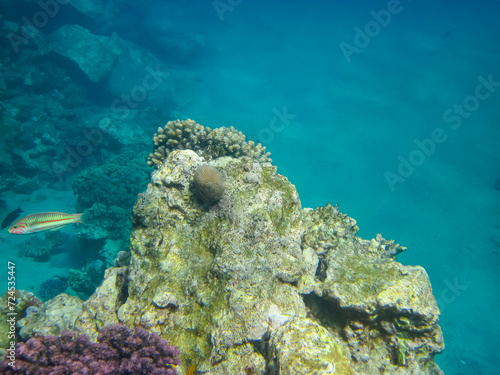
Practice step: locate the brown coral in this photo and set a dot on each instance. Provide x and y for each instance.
(209, 182)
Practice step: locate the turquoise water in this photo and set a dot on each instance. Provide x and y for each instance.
(352, 122)
(389, 109)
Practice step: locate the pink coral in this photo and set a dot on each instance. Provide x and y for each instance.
(119, 351)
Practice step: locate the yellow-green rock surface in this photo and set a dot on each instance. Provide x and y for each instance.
(254, 284)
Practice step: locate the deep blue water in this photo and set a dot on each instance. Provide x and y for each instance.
(389, 109)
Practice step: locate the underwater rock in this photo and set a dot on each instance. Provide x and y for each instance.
(257, 261)
(53, 317)
(122, 258)
(244, 285)
(25, 303)
(102, 306)
(302, 346)
(95, 55)
(78, 316)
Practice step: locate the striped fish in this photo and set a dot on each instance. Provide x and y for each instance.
(43, 221)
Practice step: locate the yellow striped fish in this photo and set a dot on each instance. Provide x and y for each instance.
(43, 221)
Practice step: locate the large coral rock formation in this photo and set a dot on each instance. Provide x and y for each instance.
(254, 284)
(94, 54)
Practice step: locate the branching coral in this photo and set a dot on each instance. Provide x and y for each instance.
(52, 287)
(115, 183)
(118, 351)
(211, 144)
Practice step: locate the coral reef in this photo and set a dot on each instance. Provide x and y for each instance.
(41, 250)
(73, 92)
(51, 288)
(106, 195)
(115, 183)
(209, 182)
(118, 351)
(38, 124)
(211, 144)
(243, 285)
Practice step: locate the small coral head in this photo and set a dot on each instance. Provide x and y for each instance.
(209, 182)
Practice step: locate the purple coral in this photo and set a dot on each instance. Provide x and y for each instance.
(118, 351)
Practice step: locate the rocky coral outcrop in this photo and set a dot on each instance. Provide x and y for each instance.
(255, 284)
(319, 353)
(94, 54)
(66, 312)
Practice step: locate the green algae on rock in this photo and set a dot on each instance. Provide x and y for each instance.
(256, 284)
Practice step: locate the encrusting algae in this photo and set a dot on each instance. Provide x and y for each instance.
(254, 283)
